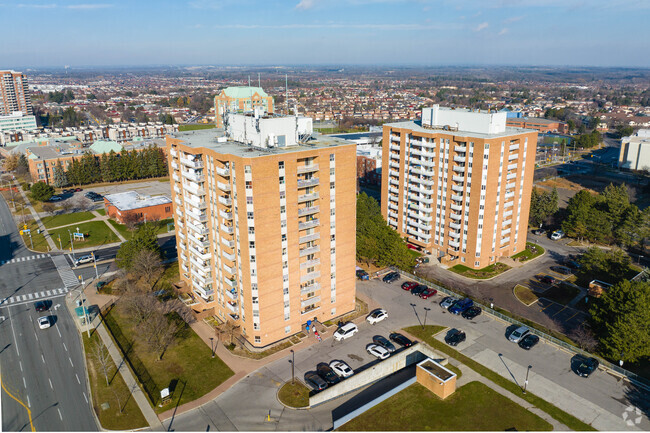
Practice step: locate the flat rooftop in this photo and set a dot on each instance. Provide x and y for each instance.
(207, 138)
(130, 200)
(436, 369)
(416, 125)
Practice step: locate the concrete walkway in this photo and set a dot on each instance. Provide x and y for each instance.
(49, 240)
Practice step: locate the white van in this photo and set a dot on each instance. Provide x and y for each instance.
(345, 331)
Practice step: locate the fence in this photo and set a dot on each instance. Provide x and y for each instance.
(125, 346)
(638, 380)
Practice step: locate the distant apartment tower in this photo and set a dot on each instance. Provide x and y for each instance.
(14, 93)
(635, 151)
(457, 184)
(240, 99)
(265, 223)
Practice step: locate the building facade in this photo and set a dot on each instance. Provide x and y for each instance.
(14, 93)
(457, 184)
(131, 206)
(265, 226)
(539, 124)
(17, 121)
(239, 99)
(635, 151)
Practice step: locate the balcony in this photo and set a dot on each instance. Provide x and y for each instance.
(176, 177)
(459, 179)
(394, 147)
(507, 214)
(206, 295)
(457, 188)
(205, 267)
(513, 156)
(225, 214)
(200, 204)
(514, 147)
(509, 195)
(421, 198)
(232, 294)
(227, 201)
(456, 207)
(428, 162)
(506, 232)
(308, 238)
(393, 173)
(228, 242)
(512, 166)
(310, 276)
(196, 216)
(454, 234)
(228, 256)
(194, 164)
(393, 164)
(511, 176)
(308, 182)
(194, 188)
(428, 145)
(232, 306)
(461, 149)
(307, 197)
(308, 210)
(459, 168)
(178, 201)
(309, 263)
(229, 269)
(311, 250)
(198, 228)
(199, 242)
(392, 214)
(310, 301)
(174, 165)
(393, 206)
(394, 138)
(308, 224)
(177, 189)
(194, 177)
(455, 216)
(173, 153)
(419, 225)
(414, 232)
(307, 168)
(230, 282)
(228, 229)
(454, 225)
(223, 186)
(201, 280)
(420, 216)
(393, 181)
(309, 288)
(422, 171)
(223, 172)
(510, 185)
(415, 151)
(509, 204)
(457, 197)
(460, 159)
(454, 244)
(504, 241)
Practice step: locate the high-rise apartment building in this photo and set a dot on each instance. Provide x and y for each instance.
(242, 99)
(457, 184)
(265, 223)
(14, 93)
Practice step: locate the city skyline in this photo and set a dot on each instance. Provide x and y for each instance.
(361, 32)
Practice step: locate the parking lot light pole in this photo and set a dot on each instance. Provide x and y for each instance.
(526, 381)
(293, 363)
(426, 310)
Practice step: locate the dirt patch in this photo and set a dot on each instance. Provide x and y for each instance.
(563, 183)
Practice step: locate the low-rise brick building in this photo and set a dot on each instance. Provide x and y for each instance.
(134, 207)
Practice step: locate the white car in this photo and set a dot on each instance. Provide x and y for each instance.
(557, 235)
(518, 334)
(83, 259)
(345, 331)
(341, 369)
(44, 322)
(377, 316)
(377, 351)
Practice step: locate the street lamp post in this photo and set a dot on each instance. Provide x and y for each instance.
(83, 304)
(30, 239)
(526, 381)
(620, 361)
(95, 265)
(71, 245)
(212, 346)
(293, 363)
(426, 310)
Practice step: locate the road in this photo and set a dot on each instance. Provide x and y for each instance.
(600, 399)
(44, 369)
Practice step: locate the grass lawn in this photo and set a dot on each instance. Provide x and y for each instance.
(65, 219)
(187, 363)
(583, 277)
(294, 395)
(121, 228)
(532, 250)
(525, 295)
(480, 274)
(473, 407)
(98, 234)
(569, 420)
(102, 212)
(38, 240)
(562, 293)
(116, 394)
(196, 127)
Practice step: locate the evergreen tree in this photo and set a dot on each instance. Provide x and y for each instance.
(60, 178)
(41, 191)
(143, 239)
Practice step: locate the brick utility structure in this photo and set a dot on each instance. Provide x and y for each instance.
(241, 98)
(265, 222)
(436, 378)
(14, 93)
(457, 184)
(130, 205)
(539, 124)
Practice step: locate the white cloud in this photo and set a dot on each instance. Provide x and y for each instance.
(90, 6)
(41, 6)
(513, 19)
(484, 25)
(503, 31)
(306, 4)
(340, 26)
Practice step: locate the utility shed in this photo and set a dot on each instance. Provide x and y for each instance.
(436, 378)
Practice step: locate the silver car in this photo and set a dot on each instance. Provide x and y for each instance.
(518, 334)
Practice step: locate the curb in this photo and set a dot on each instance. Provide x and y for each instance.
(290, 407)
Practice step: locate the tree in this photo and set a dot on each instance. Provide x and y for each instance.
(230, 330)
(41, 191)
(143, 239)
(148, 266)
(607, 265)
(103, 358)
(49, 208)
(621, 317)
(22, 167)
(10, 162)
(160, 331)
(60, 178)
(543, 204)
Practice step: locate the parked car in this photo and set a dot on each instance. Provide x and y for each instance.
(377, 351)
(418, 289)
(97, 198)
(583, 366)
(428, 293)
(471, 312)
(362, 275)
(325, 372)
(376, 316)
(539, 232)
(390, 277)
(570, 263)
(383, 341)
(448, 302)
(83, 259)
(78, 189)
(557, 235)
(461, 306)
(529, 341)
(561, 270)
(400, 339)
(315, 381)
(346, 331)
(56, 198)
(408, 285)
(518, 334)
(41, 306)
(341, 368)
(44, 322)
(547, 279)
(455, 337)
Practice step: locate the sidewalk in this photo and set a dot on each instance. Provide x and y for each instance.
(46, 235)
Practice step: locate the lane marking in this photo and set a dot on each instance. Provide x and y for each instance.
(57, 330)
(65, 347)
(50, 380)
(29, 412)
(15, 339)
(60, 416)
(21, 366)
(86, 398)
(70, 359)
(77, 376)
(43, 358)
(28, 402)
(24, 382)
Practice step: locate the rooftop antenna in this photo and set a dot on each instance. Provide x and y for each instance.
(286, 92)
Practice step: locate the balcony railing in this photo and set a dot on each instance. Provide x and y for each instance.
(454, 225)
(308, 238)
(229, 269)
(459, 168)
(310, 276)
(454, 244)
(223, 172)
(309, 263)
(307, 168)
(308, 224)
(228, 256)
(513, 156)
(309, 288)
(232, 306)
(309, 301)
(511, 176)
(311, 250)
(393, 147)
(225, 215)
(232, 294)
(460, 158)
(227, 201)
(195, 177)
(457, 197)
(456, 207)
(198, 228)
(194, 164)
(457, 188)
(308, 210)
(228, 242)
(455, 216)
(393, 181)
(194, 188)
(307, 183)
(460, 149)
(198, 242)
(174, 165)
(458, 178)
(228, 229)
(223, 186)
(307, 197)
(512, 166)
(514, 147)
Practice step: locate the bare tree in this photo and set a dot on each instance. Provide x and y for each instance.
(49, 208)
(230, 330)
(131, 220)
(139, 305)
(100, 353)
(118, 398)
(148, 266)
(176, 306)
(66, 206)
(584, 337)
(159, 332)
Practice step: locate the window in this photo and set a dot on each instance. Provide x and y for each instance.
(284, 251)
(332, 237)
(331, 185)
(251, 230)
(249, 184)
(281, 165)
(252, 259)
(332, 157)
(285, 291)
(283, 209)
(168, 209)
(281, 180)
(247, 169)
(256, 326)
(332, 250)
(258, 340)
(332, 212)
(331, 172)
(284, 237)
(287, 316)
(251, 244)
(287, 329)
(249, 215)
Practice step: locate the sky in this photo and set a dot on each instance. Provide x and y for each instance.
(54, 33)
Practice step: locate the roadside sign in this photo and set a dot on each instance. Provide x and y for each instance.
(26, 231)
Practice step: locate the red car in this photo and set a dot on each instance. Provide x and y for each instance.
(409, 285)
(428, 293)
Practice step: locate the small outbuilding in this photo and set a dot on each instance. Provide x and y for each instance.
(132, 207)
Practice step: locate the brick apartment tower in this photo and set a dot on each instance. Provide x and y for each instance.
(457, 184)
(265, 223)
(242, 98)
(14, 93)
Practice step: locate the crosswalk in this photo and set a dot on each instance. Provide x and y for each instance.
(24, 259)
(31, 297)
(63, 268)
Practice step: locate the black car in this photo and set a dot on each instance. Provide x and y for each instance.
(383, 341)
(326, 372)
(583, 366)
(471, 312)
(400, 339)
(570, 263)
(528, 341)
(539, 232)
(454, 337)
(561, 270)
(418, 289)
(315, 381)
(41, 306)
(390, 277)
(547, 279)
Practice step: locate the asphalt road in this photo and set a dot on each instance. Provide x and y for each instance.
(44, 369)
